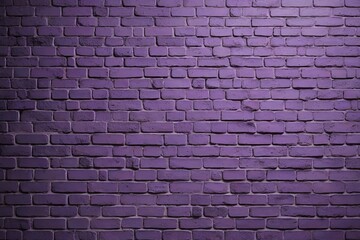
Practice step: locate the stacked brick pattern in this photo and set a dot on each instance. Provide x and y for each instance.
(180, 119)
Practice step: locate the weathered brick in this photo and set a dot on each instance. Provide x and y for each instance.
(198, 117)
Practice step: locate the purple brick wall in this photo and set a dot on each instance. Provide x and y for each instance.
(180, 119)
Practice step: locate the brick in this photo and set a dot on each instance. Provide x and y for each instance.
(294, 187)
(294, 3)
(264, 211)
(263, 188)
(262, 3)
(273, 22)
(195, 223)
(298, 211)
(125, 105)
(91, 151)
(232, 235)
(313, 223)
(252, 224)
(126, 73)
(206, 234)
(239, 188)
(322, 3)
(345, 200)
(109, 223)
(351, 3)
(160, 223)
(312, 199)
(331, 211)
(60, 139)
(184, 187)
(281, 223)
(144, 139)
(168, 119)
(270, 151)
(284, 12)
(327, 234)
(212, 12)
(49, 223)
(341, 127)
(59, 151)
(74, 187)
(234, 3)
(245, 62)
(233, 175)
(311, 152)
(215, 188)
(153, 163)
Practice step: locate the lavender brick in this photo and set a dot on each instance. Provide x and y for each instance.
(179, 119)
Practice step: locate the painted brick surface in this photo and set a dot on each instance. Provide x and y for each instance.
(180, 119)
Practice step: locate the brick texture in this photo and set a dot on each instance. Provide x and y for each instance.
(180, 119)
